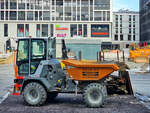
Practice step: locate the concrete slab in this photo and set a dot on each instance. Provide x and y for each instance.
(141, 83)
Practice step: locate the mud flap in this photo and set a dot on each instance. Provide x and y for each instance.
(126, 77)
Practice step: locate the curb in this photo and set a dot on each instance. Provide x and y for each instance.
(4, 97)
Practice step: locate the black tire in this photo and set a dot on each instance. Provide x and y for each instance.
(94, 95)
(51, 96)
(34, 94)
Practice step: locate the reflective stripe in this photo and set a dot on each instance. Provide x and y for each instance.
(16, 94)
(17, 85)
(19, 77)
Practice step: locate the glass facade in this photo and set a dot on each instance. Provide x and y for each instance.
(144, 20)
(55, 10)
(44, 15)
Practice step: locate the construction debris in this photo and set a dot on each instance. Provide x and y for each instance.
(145, 100)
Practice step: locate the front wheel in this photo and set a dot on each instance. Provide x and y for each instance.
(94, 95)
(34, 94)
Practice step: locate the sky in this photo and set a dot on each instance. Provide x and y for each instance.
(126, 4)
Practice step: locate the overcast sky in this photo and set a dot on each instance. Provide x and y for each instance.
(126, 4)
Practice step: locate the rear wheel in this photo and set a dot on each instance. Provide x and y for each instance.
(34, 94)
(94, 95)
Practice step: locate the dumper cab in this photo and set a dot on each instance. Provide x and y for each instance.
(31, 51)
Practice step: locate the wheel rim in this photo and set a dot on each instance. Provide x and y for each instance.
(33, 95)
(95, 96)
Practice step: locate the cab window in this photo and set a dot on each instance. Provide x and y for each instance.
(23, 53)
(38, 49)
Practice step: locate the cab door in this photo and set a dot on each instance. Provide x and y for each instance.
(38, 53)
(22, 60)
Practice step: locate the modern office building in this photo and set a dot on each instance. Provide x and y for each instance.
(145, 20)
(125, 28)
(69, 19)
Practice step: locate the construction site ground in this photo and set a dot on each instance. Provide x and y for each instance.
(71, 103)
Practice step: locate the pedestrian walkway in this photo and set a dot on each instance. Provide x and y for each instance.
(6, 79)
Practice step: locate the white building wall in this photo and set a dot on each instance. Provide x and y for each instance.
(2, 40)
(125, 28)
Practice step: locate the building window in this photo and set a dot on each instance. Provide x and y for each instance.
(27, 30)
(36, 15)
(30, 15)
(120, 30)
(20, 30)
(12, 15)
(6, 4)
(133, 30)
(85, 30)
(21, 15)
(134, 37)
(80, 30)
(40, 15)
(116, 17)
(116, 30)
(2, 4)
(38, 4)
(98, 16)
(13, 4)
(129, 17)
(133, 24)
(116, 24)
(51, 30)
(108, 16)
(6, 15)
(21, 4)
(134, 18)
(74, 10)
(129, 37)
(73, 30)
(46, 4)
(120, 24)
(121, 37)
(104, 16)
(2, 15)
(99, 30)
(116, 37)
(129, 30)
(91, 10)
(120, 17)
(127, 45)
(67, 10)
(38, 30)
(78, 10)
(5, 30)
(44, 30)
(46, 15)
(59, 10)
(129, 24)
(102, 5)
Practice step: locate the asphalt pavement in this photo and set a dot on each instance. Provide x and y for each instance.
(6, 80)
